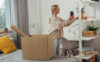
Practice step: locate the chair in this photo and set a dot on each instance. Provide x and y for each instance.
(68, 47)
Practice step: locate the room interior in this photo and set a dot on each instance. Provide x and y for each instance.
(25, 34)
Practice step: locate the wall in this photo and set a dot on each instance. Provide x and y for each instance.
(34, 16)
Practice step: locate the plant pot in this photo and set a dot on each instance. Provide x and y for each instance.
(87, 33)
(82, 16)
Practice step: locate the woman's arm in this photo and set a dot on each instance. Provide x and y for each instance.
(68, 22)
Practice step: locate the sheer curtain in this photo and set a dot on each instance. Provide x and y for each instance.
(19, 18)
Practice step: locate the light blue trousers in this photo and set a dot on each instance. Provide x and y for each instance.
(57, 45)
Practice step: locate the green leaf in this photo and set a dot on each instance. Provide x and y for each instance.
(91, 28)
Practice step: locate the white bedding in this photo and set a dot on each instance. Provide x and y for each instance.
(17, 57)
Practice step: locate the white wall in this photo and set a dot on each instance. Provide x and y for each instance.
(34, 16)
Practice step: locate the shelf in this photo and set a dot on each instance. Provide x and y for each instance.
(89, 38)
(90, 2)
(90, 20)
(80, 4)
(71, 37)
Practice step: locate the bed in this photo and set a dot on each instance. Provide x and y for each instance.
(17, 57)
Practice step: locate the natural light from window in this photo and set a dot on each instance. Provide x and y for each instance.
(1, 2)
(2, 14)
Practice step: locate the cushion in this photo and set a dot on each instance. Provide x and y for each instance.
(6, 45)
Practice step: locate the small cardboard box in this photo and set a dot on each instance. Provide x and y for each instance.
(37, 47)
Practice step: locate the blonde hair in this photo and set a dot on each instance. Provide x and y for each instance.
(53, 8)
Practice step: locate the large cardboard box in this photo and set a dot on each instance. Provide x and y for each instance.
(37, 47)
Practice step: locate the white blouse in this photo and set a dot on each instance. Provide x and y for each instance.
(57, 24)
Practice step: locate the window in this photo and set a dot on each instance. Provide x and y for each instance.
(4, 14)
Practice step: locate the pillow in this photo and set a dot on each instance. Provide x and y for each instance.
(6, 45)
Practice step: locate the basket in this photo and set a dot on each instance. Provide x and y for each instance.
(87, 33)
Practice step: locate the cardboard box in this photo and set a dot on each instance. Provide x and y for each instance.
(37, 47)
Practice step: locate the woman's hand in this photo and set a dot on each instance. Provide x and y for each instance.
(72, 18)
(76, 18)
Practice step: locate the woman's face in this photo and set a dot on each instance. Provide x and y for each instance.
(57, 10)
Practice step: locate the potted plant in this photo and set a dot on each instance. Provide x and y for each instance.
(90, 31)
(82, 13)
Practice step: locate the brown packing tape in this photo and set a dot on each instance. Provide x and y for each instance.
(18, 31)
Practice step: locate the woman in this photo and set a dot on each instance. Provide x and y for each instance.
(56, 26)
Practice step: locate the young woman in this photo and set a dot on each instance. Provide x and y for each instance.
(56, 26)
